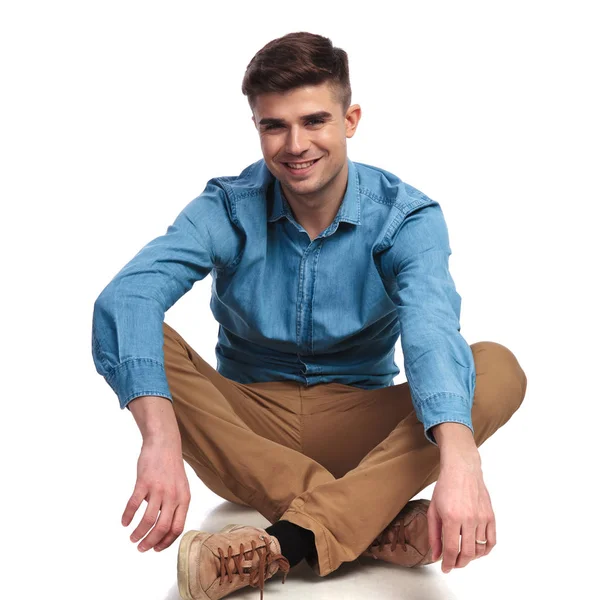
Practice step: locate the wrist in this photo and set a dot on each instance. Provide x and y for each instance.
(155, 418)
(455, 439)
(450, 433)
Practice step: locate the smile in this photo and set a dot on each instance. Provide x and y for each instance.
(301, 168)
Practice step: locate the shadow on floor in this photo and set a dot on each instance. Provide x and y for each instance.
(356, 580)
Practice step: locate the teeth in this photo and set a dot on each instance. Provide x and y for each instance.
(300, 165)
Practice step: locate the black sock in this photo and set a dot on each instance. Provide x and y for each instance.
(296, 542)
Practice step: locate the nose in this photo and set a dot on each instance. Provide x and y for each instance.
(297, 141)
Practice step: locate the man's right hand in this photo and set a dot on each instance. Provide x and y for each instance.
(161, 478)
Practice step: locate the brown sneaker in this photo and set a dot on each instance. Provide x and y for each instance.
(405, 541)
(212, 565)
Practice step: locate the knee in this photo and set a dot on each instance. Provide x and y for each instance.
(500, 365)
(168, 331)
(173, 344)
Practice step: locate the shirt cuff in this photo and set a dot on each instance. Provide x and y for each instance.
(138, 377)
(443, 407)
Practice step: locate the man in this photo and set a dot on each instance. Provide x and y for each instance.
(319, 264)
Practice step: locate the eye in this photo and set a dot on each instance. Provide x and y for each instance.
(311, 122)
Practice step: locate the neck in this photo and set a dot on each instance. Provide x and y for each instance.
(316, 211)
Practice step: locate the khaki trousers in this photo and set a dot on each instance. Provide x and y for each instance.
(335, 459)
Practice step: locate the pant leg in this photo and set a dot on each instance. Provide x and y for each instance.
(243, 441)
(348, 513)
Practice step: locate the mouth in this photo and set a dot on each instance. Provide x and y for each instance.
(300, 168)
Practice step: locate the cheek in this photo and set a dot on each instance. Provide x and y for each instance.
(333, 142)
(269, 148)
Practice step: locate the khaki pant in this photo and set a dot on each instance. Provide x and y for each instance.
(335, 459)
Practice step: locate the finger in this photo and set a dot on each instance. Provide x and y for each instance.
(160, 529)
(451, 535)
(490, 536)
(176, 528)
(467, 546)
(434, 527)
(148, 519)
(139, 493)
(480, 534)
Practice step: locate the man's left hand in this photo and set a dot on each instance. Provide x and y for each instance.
(460, 513)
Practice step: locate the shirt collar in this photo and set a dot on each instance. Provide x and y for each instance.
(349, 210)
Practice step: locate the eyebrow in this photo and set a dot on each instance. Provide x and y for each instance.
(323, 114)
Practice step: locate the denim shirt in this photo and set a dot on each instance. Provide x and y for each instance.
(288, 308)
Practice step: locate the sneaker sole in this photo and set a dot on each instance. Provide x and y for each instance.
(183, 573)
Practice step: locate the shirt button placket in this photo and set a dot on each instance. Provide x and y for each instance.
(306, 286)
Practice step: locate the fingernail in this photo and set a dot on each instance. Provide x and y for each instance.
(142, 548)
(134, 538)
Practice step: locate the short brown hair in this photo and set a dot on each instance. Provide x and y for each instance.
(294, 60)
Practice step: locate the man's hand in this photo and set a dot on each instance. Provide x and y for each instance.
(161, 478)
(460, 510)
(162, 482)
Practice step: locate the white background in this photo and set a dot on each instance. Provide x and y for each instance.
(114, 115)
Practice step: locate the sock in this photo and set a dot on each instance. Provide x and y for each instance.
(295, 541)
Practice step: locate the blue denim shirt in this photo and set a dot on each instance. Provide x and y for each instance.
(288, 308)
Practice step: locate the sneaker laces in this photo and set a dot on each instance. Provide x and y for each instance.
(394, 534)
(257, 574)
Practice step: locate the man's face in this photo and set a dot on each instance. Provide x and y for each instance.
(304, 125)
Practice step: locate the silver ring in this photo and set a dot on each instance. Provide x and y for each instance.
(481, 541)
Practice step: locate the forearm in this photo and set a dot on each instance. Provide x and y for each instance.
(457, 444)
(156, 419)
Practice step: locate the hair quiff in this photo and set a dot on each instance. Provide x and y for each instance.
(295, 60)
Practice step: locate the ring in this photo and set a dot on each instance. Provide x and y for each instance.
(481, 541)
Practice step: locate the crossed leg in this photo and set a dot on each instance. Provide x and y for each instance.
(335, 459)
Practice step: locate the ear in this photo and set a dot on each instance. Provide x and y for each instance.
(353, 115)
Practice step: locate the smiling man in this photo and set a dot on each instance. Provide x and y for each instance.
(319, 265)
